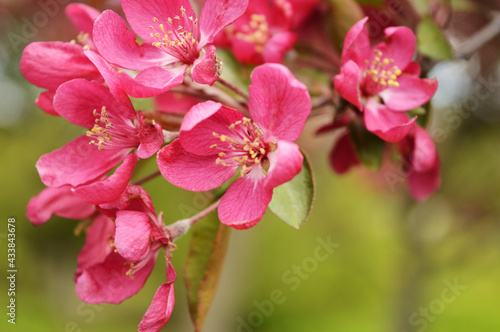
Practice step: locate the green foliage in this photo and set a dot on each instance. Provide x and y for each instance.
(204, 264)
(432, 42)
(292, 201)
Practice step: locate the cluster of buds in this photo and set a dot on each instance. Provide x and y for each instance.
(226, 136)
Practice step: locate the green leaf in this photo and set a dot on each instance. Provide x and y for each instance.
(292, 201)
(432, 42)
(204, 265)
(369, 147)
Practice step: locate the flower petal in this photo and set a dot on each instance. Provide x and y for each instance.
(46, 102)
(190, 171)
(108, 282)
(217, 14)
(245, 202)
(347, 83)
(57, 201)
(117, 44)
(140, 14)
(76, 163)
(277, 46)
(199, 124)
(343, 156)
(388, 125)
(357, 44)
(206, 68)
(97, 244)
(110, 75)
(279, 103)
(83, 17)
(411, 93)
(111, 188)
(153, 81)
(76, 101)
(41, 64)
(285, 164)
(399, 46)
(133, 232)
(175, 102)
(424, 184)
(424, 154)
(160, 310)
(150, 137)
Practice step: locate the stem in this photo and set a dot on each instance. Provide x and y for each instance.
(480, 38)
(146, 179)
(232, 87)
(181, 227)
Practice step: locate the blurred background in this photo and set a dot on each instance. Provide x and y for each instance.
(397, 266)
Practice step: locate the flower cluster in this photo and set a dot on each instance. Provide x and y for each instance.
(205, 133)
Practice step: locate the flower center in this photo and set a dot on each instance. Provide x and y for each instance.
(112, 132)
(177, 37)
(381, 72)
(246, 147)
(256, 32)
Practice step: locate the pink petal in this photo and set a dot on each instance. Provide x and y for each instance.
(77, 163)
(41, 64)
(76, 101)
(160, 309)
(190, 171)
(111, 188)
(217, 14)
(140, 14)
(57, 201)
(399, 46)
(117, 44)
(133, 232)
(279, 103)
(111, 77)
(175, 102)
(357, 44)
(424, 184)
(97, 244)
(134, 198)
(388, 125)
(199, 124)
(285, 164)
(424, 152)
(343, 156)
(83, 17)
(46, 102)
(245, 52)
(108, 282)
(206, 69)
(411, 93)
(347, 83)
(413, 69)
(245, 202)
(150, 137)
(153, 81)
(277, 46)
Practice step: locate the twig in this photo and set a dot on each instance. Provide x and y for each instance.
(146, 178)
(232, 87)
(473, 43)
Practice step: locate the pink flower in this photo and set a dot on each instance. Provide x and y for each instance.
(262, 34)
(175, 41)
(422, 164)
(61, 202)
(215, 141)
(114, 130)
(382, 81)
(50, 64)
(118, 257)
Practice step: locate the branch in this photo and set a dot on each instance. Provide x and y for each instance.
(475, 42)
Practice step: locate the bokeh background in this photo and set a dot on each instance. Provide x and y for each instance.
(400, 266)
